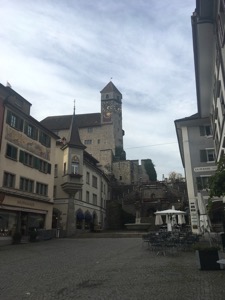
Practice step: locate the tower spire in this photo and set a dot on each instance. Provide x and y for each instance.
(74, 107)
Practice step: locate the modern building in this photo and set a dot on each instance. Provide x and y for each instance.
(204, 132)
(27, 159)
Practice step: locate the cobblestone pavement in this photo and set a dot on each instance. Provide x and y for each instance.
(106, 268)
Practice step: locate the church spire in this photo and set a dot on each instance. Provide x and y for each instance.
(74, 132)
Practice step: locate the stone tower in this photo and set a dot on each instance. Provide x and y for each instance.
(111, 112)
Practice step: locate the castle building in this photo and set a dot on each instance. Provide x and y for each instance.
(101, 133)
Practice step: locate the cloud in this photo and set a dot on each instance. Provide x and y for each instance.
(53, 52)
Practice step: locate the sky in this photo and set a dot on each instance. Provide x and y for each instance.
(53, 52)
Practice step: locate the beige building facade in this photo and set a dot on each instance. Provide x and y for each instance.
(27, 157)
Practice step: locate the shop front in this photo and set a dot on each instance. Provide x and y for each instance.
(24, 215)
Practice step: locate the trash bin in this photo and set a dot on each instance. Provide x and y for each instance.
(223, 240)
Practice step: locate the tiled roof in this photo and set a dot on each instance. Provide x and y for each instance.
(64, 121)
(110, 87)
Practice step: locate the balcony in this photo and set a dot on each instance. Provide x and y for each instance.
(72, 183)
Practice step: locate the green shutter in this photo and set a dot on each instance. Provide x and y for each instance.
(49, 168)
(25, 128)
(14, 152)
(203, 156)
(36, 163)
(8, 118)
(21, 158)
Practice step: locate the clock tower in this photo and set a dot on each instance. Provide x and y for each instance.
(111, 112)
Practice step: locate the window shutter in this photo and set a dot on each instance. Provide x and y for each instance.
(25, 128)
(49, 168)
(202, 130)
(36, 163)
(35, 137)
(14, 152)
(20, 124)
(203, 156)
(21, 158)
(8, 118)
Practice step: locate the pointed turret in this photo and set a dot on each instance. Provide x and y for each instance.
(74, 140)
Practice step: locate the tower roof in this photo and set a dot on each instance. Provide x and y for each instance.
(74, 135)
(110, 87)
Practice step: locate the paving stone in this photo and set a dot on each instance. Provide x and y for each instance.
(103, 268)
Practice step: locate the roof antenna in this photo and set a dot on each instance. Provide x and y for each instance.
(74, 107)
(111, 79)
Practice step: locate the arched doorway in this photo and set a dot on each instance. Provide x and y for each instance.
(79, 219)
(88, 220)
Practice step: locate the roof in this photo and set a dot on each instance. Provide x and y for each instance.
(64, 121)
(74, 135)
(110, 87)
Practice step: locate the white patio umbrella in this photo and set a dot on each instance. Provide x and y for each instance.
(181, 219)
(169, 213)
(158, 220)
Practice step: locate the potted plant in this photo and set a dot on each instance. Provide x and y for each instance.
(207, 256)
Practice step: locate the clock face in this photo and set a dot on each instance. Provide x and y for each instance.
(111, 107)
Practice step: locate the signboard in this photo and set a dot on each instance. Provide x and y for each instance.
(205, 169)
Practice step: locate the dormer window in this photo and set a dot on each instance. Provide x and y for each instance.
(107, 96)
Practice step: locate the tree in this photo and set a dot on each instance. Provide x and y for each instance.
(217, 181)
(217, 186)
(173, 176)
(150, 170)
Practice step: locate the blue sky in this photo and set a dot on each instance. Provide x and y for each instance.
(53, 52)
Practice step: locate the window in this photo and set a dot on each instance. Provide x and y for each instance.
(98, 141)
(75, 165)
(11, 152)
(31, 131)
(75, 168)
(87, 197)
(207, 155)
(87, 142)
(9, 180)
(41, 189)
(94, 181)
(64, 168)
(14, 121)
(44, 139)
(34, 162)
(94, 199)
(202, 182)
(205, 130)
(26, 185)
(90, 129)
(88, 178)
